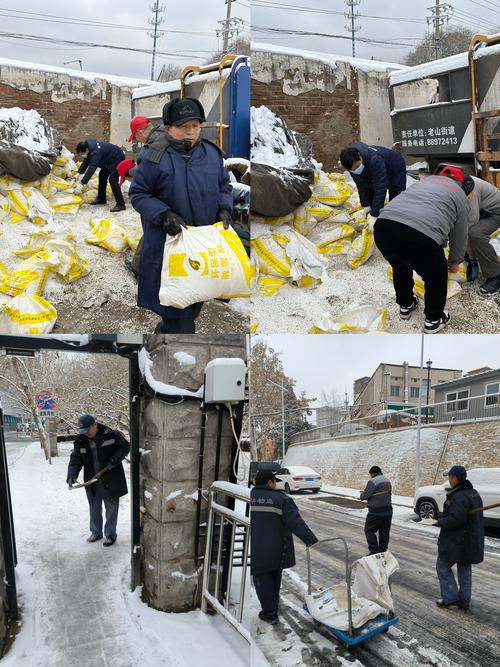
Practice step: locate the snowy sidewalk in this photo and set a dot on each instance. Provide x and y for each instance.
(76, 607)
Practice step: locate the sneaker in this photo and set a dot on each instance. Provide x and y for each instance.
(445, 605)
(405, 313)
(94, 538)
(97, 202)
(273, 620)
(490, 286)
(433, 326)
(117, 208)
(109, 541)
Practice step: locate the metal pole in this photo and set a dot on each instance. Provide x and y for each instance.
(7, 529)
(283, 422)
(135, 454)
(419, 422)
(429, 364)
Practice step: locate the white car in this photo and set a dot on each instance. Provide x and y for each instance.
(297, 478)
(429, 500)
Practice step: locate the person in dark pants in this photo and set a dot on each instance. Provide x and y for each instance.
(180, 180)
(100, 450)
(274, 519)
(375, 170)
(484, 220)
(461, 539)
(411, 233)
(105, 157)
(378, 493)
(126, 169)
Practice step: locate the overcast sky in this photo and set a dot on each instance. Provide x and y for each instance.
(334, 361)
(196, 17)
(478, 15)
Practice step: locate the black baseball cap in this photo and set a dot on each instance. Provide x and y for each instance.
(265, 476)
(84, 423)
(456, 471)
(180, 111)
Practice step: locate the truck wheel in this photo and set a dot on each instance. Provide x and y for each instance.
(427, 509)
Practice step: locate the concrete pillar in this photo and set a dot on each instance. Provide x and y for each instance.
(170, 440)
(51, 431)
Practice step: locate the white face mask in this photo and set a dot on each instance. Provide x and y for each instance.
(358, 170)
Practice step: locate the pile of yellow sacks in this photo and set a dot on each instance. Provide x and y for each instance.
(293, 248)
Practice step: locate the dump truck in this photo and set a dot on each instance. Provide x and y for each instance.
(448, 110)
(224, 90)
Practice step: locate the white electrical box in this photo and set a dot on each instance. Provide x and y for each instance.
(225, 380)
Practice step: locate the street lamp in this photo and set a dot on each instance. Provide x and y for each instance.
(280, 386)
(428, 363)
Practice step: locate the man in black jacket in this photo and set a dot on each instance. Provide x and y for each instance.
(100, 450)
(378, 494)
(274, 518)
(461, 539)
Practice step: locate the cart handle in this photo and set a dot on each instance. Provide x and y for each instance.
(347, 574)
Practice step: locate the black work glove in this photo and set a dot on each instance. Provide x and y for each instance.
(225, 217)
(472, 270)
(172, 223)
(71, 481)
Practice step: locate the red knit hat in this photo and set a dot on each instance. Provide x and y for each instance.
(123, 168)
(137, 123)
(454, 173)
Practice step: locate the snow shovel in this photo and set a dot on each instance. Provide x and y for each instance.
(79, 486)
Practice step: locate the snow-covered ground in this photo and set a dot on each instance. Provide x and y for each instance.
(295, 310)
(76, 606)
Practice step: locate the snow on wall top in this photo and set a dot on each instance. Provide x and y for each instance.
(172, 86)
(75, 73)
(436, 67)
(328, 58)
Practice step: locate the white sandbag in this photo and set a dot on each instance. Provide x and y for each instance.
(329, 607)
(203, 263)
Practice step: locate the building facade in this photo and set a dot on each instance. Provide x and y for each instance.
(476, 395)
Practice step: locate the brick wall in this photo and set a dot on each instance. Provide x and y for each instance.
(74, 118)
(329, 119)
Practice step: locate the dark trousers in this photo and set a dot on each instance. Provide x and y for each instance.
(380, 525)
(267, 587)
(96, 500)
(113, 178)
(407, 250)
(481, 248)
(180, 324)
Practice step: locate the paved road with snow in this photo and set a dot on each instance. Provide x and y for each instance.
(75, 603)
(425, 634)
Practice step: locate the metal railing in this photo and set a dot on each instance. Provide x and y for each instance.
(219, 519)
(458, 408)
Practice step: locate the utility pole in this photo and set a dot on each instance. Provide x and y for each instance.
(352, 15)
(231, 27)
(225, 44)
(440, 16)
(155, 33)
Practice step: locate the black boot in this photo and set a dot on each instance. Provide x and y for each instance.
(98, 201)
(117, 208)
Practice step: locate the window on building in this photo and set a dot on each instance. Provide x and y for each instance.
(492, 390)
(395, 390)
(456, 401)
(414, 392)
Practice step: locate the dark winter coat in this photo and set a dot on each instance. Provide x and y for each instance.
(101, 155)
(156, 133)
(461, 539)
(112, 448)
(274, 517)
(384, 170)
(193, 184)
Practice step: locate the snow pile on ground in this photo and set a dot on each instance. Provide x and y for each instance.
(271, 139)
(26, 128)
(76, 606)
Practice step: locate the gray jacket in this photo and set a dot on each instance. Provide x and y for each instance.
(378, 493)
(485, 201)
(436, 207)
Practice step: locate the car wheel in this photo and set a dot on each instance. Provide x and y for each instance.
(315, 490)
(287, 488)
(427, 509)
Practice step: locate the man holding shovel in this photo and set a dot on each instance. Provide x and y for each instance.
(461, 539)
(100, 450)
(378, 493)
